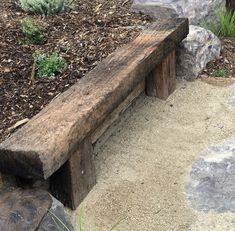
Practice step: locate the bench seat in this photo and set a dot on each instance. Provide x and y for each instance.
(57, 143)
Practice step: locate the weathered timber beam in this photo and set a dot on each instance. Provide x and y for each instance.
(73, 181)
(161, 82)
(48, 140)
(78, 173)
(112, 117)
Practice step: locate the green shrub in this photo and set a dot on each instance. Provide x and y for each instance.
(219, 73)
(45, 7)
(33, 32)
(225, 26)
(48, 66)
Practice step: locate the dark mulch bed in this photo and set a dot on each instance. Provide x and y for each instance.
(226, 61)
(84, 36)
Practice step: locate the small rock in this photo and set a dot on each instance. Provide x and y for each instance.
(200, 47)
(63, 48)
(204, 76)
(76, 74)
(220, 125)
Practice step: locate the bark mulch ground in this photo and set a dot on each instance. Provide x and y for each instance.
(226, 62)
(83, 37)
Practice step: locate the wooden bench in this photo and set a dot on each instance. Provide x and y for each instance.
(58, 142)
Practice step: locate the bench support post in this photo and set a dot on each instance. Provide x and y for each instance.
(230, 4)
(73, 181)
(162, 80)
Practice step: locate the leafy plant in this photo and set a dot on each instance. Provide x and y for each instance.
(33, 32)
(48, 65)
(219, 73)
(45, 7)
(225, 26)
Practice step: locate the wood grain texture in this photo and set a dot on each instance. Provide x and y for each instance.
(73, 181)
(48, 140)
(77, 185)
(111, 118)
(230, 4)
(23, 210)
(161, 82)
(172, 72)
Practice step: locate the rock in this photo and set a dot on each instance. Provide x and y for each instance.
(154, 11)
(55, 219)
(232, 96)
(211, 181)
(200, 47)
(31, 210)
(198, 11)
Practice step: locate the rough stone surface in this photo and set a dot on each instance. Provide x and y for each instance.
(200, 47)
(198, 11)
(155, 11)
(55, 219)
(212, 179)
(31, 209)
(232, 98)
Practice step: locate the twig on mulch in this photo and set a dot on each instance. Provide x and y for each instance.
(125, 2)
(33, 72)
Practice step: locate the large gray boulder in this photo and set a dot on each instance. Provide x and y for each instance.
(200, 47)
(198, 11)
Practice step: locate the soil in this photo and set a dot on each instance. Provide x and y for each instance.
(83, 37)
(226, 61)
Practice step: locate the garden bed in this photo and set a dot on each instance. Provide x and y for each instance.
(225, 65)
(58, 143)
(83, 37)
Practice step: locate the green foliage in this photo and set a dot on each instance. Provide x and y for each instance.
(219, 73)
(226, 24)
(45, 7)
(48, 65)
(33, 32)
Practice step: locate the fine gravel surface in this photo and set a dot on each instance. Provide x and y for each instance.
(144, 167)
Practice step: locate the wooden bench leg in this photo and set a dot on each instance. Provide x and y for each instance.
(73, 181)
(162, 80)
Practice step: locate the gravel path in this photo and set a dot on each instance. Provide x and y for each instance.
(145, 166)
